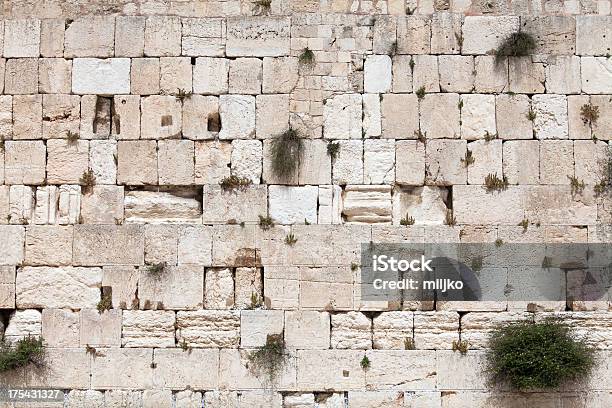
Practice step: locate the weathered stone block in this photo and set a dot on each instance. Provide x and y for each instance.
(176, 287)
(389, 365)
(211, 76)
(90, 37)
(147, 328)
(61, 115)
(593, 35)
(179, 369)
(66, 161)
(200, 114)
(103, 206)
(23, 323)
(54, 75)
(352, 330)
(402, 73)
(137, 162)
(413, 35)
(21, 76)
(491, 75)
(477, 116)
(342, 117)
(145, 76)
(377, 74)
(24, 162)
(526, 75)
(596, 75)
(108, 245)
(367, 204)
(393, 330)
(237, 116)
(244, 205)
(208, 328)
(203, 36)
(101, 76)
(162, 36)
(100, 329)
(176, 162)
(371, 115)
(272, 115)
(52, 32)
(521, 160)
(257, 36)
(126, 120)
(245, 76)
(551, 120)
(400, 116)
(439, 116)
(136, 369)
(291, 205)
(563, 74)
(556, 161)
(307, 330)
(280, 75)
(129, 36)
(482, 34)
(177, 206)
(487, 157)
(48, 245)
(124, 283)
(7, 287)
(379, 161)
(257, 325)
(512, 115)
(348, 165)
(161, 117)
(443, 164)
(342, 370)
(477, 326)
(473, 205)
(426, 205)
(21, 38)
(175, 75)
(410, 162)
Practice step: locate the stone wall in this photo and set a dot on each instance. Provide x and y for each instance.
(162, 101)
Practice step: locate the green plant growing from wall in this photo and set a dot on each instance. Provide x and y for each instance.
(542, 355)
(25, 351)
(589, 114)
(461, 346)
(517, 44)
(468, 160)
(106, 301)
(286, 150)
(407, 220)
(182, 94)
(269, 359)
(524, 224)
(576, 185)
(88, 181)
(265, 223)
(365, 363)
(72, 137)
(262, 7)
(333, 148)
(494, 183)
(232, 183)
(531, 115)
(420, 93)
(156, 269)
(290, 239)
(307, 57)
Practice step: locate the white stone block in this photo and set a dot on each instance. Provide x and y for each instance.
(477, 116)
(342, 117)
(237, 116)
(101, 76)
(379, 161)
(551, 121)
(377, 74)
(293, 205)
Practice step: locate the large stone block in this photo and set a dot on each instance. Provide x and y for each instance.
(305, 330)
(64, 369)
(176, 287)
(377, 74)
(242, 205)
(477, 116)
(443, 164)
(257, 36)
(481, 34)
(473, 205)
(54, 75)
(145, 76)
(393, 330)
(179, 369)
(66, 287)
(315, 165)
(563, 74)
(147, 328)
(372, 126)
(208, 328)
(52, 32)
(126, 120)
(137, 162)
(400, 116)
(280, 75)
(46, 245)
(521, 161)
(367, 204)
(161, 117)
(24, 162)
(487, 157)
(199, 114)
(556, 161)
(257, 325)
(410, 162)
(101, 76)
(176, 206)
(219, 289)
(291, 205)
(401, 369)
(108, 245)
(237, 373)
(203, 36)
(90, 37)
(342, 372)
(551, 120)
(552, 34)
(426, 205)
(413, 35)
(99, 329)
(237, 116)
(245, 76)
(21, 76)
(7, 287)
(195, 245)
(596, 75)
(23, 323)
(176, 162)
(103, 206)
(352, 330)
(162, 36)
(512, 116)
(21, 38)
(593, 35)
(476, 327)
(439, 116)
(211, 76)
(456, 72)
(491, 75)
(272, 115)
(342, 117)
(425, 74)
(402, 73)
(136, 369)
(123, 281)
(67, 162)
(379, 161)
(175, 75)
(348, 164)
(129, 36)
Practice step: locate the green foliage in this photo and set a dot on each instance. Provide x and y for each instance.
(499, 242)
(524, 224)
(576, 185)
(488, 136)
(106, 302)
(269, 359)
(420, 93)
(354, 266)
(407, 220)
(365, 362)
(286, 151)
(468, 159)
(307, 57)
(28, 350)
(290, 239)
(476, 263)
(265, 223)
(72, 137)
(589, 113)
(333, 148)
(182, 94)
(409, 344)
(461, 346)
(542, 355)
(232, 183)
(494, 183)
(531, 115)
(515, 45)
(88, 181)
(156, 269)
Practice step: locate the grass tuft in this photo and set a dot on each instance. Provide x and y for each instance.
(407, 220)
(307, 57)
(265, 223)
(232, 183)
(270, 358)
(420, 93)
(589, 113)
(286, 151)
(516, 44)
(333, 148)
(28, 350)
(365, 362)
(468, 160)
(494, 183)
(88, 181)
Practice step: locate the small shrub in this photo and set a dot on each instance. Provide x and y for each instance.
(420, 93)
(286, 152)
(461, 346)
(531, 115)
(494, 183)
(307, 57)
(72, 137)
(407, 220)
(499, 242)
(269, 359)
(28, 350)
(106, 302)
(576, 185)
(262, 7)
(468, 159)
(156, 269)
(354, 266)
(88, 181)
(515, 45)
(182, 94)
(185, 346)
(365, 362)
(411, 65)
(290, 239)
(421, 136)
(265, 223)
(542, 355)
(1, 143)
(450, 219)
(524, 224)
(232, 183)
(488, 136)
(589, 113)
(333, 148)
(409, 344)
(393, 49)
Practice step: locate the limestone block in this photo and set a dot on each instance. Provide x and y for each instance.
(473, 205)
(367, 204)
(247, 159)
(86, 398)
(521, 160)
(342, 369)
(145, 75)
(221, 399)
(67, 368)
(129, 36)
(371, 115)
(439, 116)
(556, 205)
(208, 328)
(136, 370)
(435, 330)
(21, 38)
(352, 330)
(477, 326)
(272, 115)
(21, 76)
(379, 161)
(7, 287)
(563, 74)
(410, 162)
(5, 210)
(188, 399)
(245, 76)
(239, 245)
(162, 36)
(593, 35)
(123, 281)
(102, 155)
(61, 115)
(602, 128)
(422, 399)
(377, 74)
(179, 369)
(108, 245)
(348, 165)
(126, 120)
(121, 398)
(176, 162)
(177, 206)
(26, 117)
(101, 76)
(212, 161)
(393, 330)
(402, 73)
(161, 117)
(596, 75)
(147, 328)
(66, 161)
(66, 287)
(400, 116)
(21, 204)
(257, 36)
(23, 323)
(239, 205)
(551, 121)
(199, 114)
(237, 116)
(487, 159)
(175, 75)
(52, 32)
(137, 162)
(103, 206)
(6, 120)
(280, 75)
(588, 158)
(90, 37)
(57, 205)
(305, 330)
(556, 161)
(24, 162)
(477, 116)
(236, 372)
(326, 296)
(95, 117)
(157, 398)
(299, 401)
(552, 34)
(526, 75)
(445, 33)
(456, 72)
(257, 325)
(47, 245)
(281, 293)
(384, 35)
(219, 289)
(330, 204)
(593, 326)
(443, 164)
(211, 76)
(389, 365)
(54, 75)
(471, 367)
(512, 117)
(203, 36)
(315, 163)
(372, 399)
(578, 128)
(425, 204)
(194, 245)
(342, 117)
(482, 34)
(100, 329)
(291, 205)
(413, 35)
(425, 73)
(491, 75)
(176, 287)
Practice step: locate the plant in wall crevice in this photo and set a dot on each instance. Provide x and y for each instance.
(262, 7)
(518, 44)
(307, 57)
(25, 351)
(286, 150)
(269, 359)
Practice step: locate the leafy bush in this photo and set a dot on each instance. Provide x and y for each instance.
(28, 350)
(515, 45)
(537, 355)
(286, 151)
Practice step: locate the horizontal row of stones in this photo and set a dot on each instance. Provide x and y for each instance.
(442, 33)
(350, 399)
(269, 75)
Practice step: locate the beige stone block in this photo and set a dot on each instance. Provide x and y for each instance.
(393, 330)
(175, 75)
(245, 76)
(443, 164)
(7, 287)
(247, 156)
(66, 161)
(482, 34)
(60, 328)
(102, 154)
(21, 38)
(179, 369)
(236, 373)
(147, 328)
(21, 204)
(157, 398)
(342, 369)
(61, 115)
(100, 329)
(122, 398)
(280, 75)
(123, 281)
(176, 287)
(563, 74)
(136, 371)
(272, 115)
(162, 36)
(242, 205)
(208, 328)
(176, 162)
(248, 287)
(384, 35)
(237, 116)
(595, 73)
(552, 34)
(409, 162)
(103, 206)
(129, 36)
(457, 72)
(258, 36)
(161, 117)
(588, 159)
(400, 116)
(212, 161)
(108, 245)
(439, 116)
(87, 398)
(6, 118)
(487, 157)
(24, 162)
(188, 399)
(477, 116)
(512, 113)
(106, 76)
(342, 117)
(435, 330)
(556, 161)
(578, 128)
(239, 245)
(137, 162)
(21, 76)
(54, 75)
(52, 32)
(413, 35)
(211, 76)
(64, 369)
(476, 327)
(491, 75)
(602, 128)
(521, 161)
(379, 161)
(257, 325)
(221, 399)
(145, 75)
(200, 117)
(593, 35)
(307, 330)
(126, 120)
(425, 73)
(473, 205)
(471, 366)
(23, 323)
(551, 120)
(315, 163)
(219, 289)
(27, 117)
(348, 166)
(160, 243)
(556, 205)
(195, 245)
(445, 33)
(48, 245)
(387, 366)
(203, 36)
(90, 37)
(402, 73)
(525, 75)
(352, 330)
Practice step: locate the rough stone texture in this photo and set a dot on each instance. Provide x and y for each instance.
(342, 117)
(161, 207)
(208, 328)
(101, 76)
(291, 205)
(352, 330)
(147, 328)
(368, 204)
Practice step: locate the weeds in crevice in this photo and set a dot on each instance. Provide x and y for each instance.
(468, 160)
(407, 220)
(577, 186)
(476, 263)
(255, 301)
(333, 148)
(421, 136)
(182, 94)
(461, 346)
(409, 344)
(420, 93)
(269, 359)
(524, 224)
(72, 137)
(232, 183)
(265, 223)
(531, 115)
(286, 150)
(494, 183)
(604, 184)
(589, 114)
(157, 269)
(307, 57)
(25, 351)
(365, 363)
(490, 136)
(262, 7)
(290, 239)
(517, 44)
(499, 242)
(88, 181)
(106, 300)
